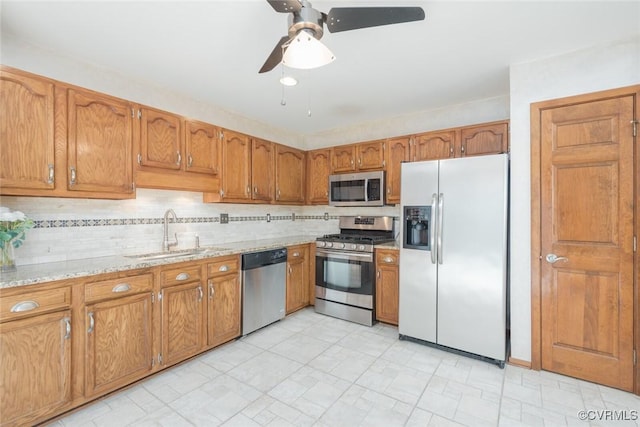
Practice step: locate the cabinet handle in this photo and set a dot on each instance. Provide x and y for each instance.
(140, 159)
(183, 276)
(462, 149)
(67, 328)
(378, 274)
(387, 259)
(200, 293)
(351, 162)
(296, 254)
(224, 267)
(50, 180)
(92, 322)
(24, 306)
(360, 161)
(179, 158)
(278, 195)
(388, 190)
(211, 290)
(121, 287)
(289, 270)
(248, 189)
(190, 160)
(255, 190)
(72, 181)
(326, 193)
(451, 151)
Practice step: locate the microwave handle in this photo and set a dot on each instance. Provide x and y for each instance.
(366, 189)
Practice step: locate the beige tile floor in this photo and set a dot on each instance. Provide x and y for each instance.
(309, 369)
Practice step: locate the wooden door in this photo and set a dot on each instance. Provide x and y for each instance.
(586, 220)
(343, 159)
(100, 141)
(42, 342)
(119, 343)
(161, 139)
(490, 138)
(397, 151)
(262, 165)
(318, 166)
(224, 311)
(433, 146)
(26, 132)
(387, 286)
(297, 294)
(236, 172)
(181, 321)
(290, 164)
(370, 155)
(202, 143)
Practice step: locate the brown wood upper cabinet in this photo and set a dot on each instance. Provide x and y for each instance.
(290, 175)
(201, 147)
(318, 169)
(27, 143)
(262, 158)
(355, 157)
(433, 145)
(100, 142)
(491, 138)
(397, 150)
(161, 139)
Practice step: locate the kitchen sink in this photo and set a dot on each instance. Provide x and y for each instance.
(175, 254)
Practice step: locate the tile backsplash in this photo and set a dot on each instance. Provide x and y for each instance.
(70, 229)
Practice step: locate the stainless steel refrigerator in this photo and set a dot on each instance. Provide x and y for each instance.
(453, 255)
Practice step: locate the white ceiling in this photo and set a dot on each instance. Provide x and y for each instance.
(212, 50)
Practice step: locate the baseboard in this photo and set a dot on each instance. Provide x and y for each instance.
(519, 362)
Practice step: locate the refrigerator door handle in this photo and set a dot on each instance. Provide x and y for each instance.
(440, 216)
(432, 221)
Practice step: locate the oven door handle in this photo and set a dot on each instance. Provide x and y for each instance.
(344, 255)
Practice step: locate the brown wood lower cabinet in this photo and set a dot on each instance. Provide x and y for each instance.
(35, 367)
(297, 278)
(224, 301)
(119, 342)
(387, 286)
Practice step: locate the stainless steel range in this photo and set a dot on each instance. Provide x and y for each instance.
(345, 270)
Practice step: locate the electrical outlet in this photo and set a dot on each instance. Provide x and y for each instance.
(293, 216)
(326, 216)
(224, 218)
(268, 217)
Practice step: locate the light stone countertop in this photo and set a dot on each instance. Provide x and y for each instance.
(40, 273)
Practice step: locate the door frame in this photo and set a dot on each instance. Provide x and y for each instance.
(536, 211)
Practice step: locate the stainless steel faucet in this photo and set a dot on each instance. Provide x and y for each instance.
(166, 246)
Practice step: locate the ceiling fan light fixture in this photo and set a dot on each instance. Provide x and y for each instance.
(304, 51)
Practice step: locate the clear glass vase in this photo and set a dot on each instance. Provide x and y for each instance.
(7, 257)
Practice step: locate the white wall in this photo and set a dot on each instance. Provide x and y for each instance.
(599, 68)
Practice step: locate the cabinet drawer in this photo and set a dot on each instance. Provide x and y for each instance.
(221, 266)
(174, 276)
(297, 253)
(118, 287)
(28, 303)
(387, 257)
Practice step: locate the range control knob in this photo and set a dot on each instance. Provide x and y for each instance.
(342, 246)
(361, 247)
(329, 244)
(354, 246)
(321, 244)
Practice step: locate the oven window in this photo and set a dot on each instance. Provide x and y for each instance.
(348, 191)
(353, 276)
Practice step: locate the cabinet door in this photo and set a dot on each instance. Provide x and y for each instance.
(371, 155)
(236, 172)
(35, 367)
(387, 286)
(119, 342)
(181, 321)
(433, 146)
(160, 140)
(224, 309)
(343, 159)
(262, 158)
(290, 166)
(202, 144)
(26, 126)
(318, 166)
(297, 295)
(397, 151)
(484, 139)
(100, 139)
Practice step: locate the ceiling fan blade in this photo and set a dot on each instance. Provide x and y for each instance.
(275, 57)
(352, 18)
(285, 6)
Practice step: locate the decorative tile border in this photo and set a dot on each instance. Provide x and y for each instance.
(69, 223)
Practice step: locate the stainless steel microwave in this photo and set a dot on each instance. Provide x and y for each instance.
(357, 189)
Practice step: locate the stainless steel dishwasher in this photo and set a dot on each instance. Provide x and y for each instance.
(263, 288)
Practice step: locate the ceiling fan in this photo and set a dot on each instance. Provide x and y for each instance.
(305, 18)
